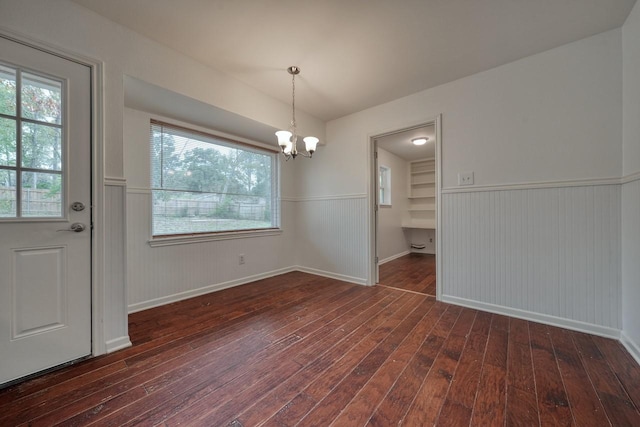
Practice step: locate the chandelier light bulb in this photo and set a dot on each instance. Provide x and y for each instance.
(287, 148)
(284, 137)
(310, 143)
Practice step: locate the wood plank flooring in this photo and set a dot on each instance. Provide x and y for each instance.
(299, 349)
(413, 272)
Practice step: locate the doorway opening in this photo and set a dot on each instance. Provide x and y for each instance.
(405, 176)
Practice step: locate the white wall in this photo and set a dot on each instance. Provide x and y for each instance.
(547, 254)
(631, 98)
(631, 189)
(331, 236)
(426, 237)
(553, 117)
(393, 240)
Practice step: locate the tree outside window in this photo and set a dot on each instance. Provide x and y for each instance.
(205, 184)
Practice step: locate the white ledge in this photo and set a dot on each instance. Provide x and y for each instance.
(316, 198)
(211, 237)
(533, 185)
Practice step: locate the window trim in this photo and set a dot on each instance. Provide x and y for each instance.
(207, 236)
(183, 239)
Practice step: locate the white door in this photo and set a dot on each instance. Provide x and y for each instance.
(45, 191)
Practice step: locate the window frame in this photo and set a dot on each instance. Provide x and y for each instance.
(232, 141)
(384, 174)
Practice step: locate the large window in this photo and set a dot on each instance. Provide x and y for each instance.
(205, 184)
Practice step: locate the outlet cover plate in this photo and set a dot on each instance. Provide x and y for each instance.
(465, 178)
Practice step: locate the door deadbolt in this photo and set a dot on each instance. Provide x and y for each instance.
(77, 206)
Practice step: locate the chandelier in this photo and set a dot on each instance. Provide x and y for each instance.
(287, 139)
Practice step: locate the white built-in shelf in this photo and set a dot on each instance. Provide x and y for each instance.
(422, 195)
(428, 224)
(424, 181)
(423, 192)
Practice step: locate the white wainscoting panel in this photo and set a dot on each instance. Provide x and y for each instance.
(331, 237)
(550, 254)
(115, 285)
(164, 274)
(630, 336)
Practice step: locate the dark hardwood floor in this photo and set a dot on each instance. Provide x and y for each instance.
(414, 272)
(304, 350)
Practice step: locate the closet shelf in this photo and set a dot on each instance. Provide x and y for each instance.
(424, 182)
(420, 224)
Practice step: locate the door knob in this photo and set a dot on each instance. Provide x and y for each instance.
(76, 226)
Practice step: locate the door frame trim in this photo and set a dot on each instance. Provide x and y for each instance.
(96, 67)
(372, 196)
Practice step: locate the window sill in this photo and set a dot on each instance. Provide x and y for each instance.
(212, 237)
(385, 205)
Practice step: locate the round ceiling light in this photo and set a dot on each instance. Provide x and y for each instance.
(420, 141)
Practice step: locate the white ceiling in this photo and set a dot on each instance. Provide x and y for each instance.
(356, 54)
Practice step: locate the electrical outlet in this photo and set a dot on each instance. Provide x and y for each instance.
(241, 259)
(465, 178)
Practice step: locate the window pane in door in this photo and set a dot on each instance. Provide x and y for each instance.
(7, 142)
(41, 194)
(41, 146)
(41, 98)
(7, 193)
(7, 91)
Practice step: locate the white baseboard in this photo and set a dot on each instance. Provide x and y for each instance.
(574, 325)
(632, 347)
(205, 290)
(392, 257)
(117, 344)
(344, 278)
